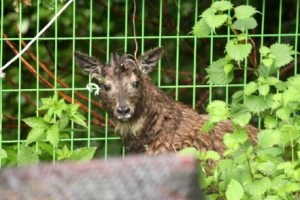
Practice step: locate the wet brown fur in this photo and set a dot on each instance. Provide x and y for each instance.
(158, 124)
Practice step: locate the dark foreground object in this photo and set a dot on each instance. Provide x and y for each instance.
(135, 177)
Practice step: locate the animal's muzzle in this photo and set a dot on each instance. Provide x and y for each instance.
(124, 112)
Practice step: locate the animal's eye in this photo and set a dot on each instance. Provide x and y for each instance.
(136, 84)
(106, 87)
(122, 67)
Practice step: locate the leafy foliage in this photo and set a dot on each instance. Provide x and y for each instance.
(83, 154)
(269, 170)
(51, 128)
(239, 48)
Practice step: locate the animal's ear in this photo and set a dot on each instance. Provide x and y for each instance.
(150, 59)
(89, 64)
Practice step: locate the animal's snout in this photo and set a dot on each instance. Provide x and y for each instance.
(123, 111)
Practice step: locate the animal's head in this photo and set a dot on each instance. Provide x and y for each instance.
(121, 80)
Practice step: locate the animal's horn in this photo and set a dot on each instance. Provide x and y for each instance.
(112, 62)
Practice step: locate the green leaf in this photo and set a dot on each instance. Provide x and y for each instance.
(72, 108)
(47, 102)
(292, 187)
(282, 53)
(216, 21)
(75, 116)
(277, 97)
(202, 179)
(288, 131)
(281, 85)
(48, 117)
(54, 106)
(264, 51)
(242, 119)
(221, 5)
(238, 51)
(201, 29)
(79, 119)
(267, 62)
(234, 191)
(26, 156)
(218, 111)
(263, 89)
(284, 113)
(189, 151)
(242, 37)
(228, 68)
(291, 94)
(233, 140)
(284, 166)
(279, 185)
(250, 88)
(59, 107)
(227, 170)
(207, 126)
(240, 115)
(82, 154)
(238, 97)
(55, 95)
(270, 122)
(244, 24)
(63, 122)
(53, 134)
(276, 104)
(296, 120)
(268, 138)
(273, 151)
(216, 72)
(258, 187)
(244, 11)
(294, 81)
(36, 134)
(212, 155)
(45, 147)
(265, 71)
(297, 174)
(63, 153)
(209, 12)
(272, 81)
(258, 104)
(36, 122)
(267, 167)
(3, 153)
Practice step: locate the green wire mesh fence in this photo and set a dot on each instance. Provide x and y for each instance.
(100, 27)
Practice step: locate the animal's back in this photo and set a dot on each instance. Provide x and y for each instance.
(187, 132)
(190, 132)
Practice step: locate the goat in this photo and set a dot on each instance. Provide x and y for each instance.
(147, 119)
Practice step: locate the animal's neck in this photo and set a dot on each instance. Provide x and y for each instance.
(157, 111)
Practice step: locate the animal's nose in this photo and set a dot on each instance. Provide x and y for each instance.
(123, 110)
